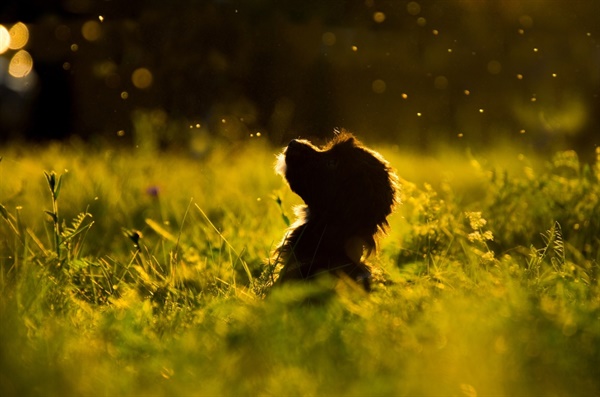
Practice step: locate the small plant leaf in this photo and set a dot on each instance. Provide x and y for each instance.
(3, 210)
(51, 179)
(57, 188)
(75, 232)
(161, 230)
(52, 215)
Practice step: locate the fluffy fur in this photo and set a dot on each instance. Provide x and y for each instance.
(349, 190)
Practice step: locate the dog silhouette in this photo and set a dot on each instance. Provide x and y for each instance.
(348, 191)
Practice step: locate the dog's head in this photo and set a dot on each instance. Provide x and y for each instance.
(342, 183)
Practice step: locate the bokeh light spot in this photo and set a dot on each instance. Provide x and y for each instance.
(413, 8)
(379, 17)
(124, 95)
(526, 21)
(440, 82)
(91, 31)
(19, 36)
(4, 39)
(104, 68)
(421, 21)
(378, 86)
(141, 78)
(20, 64)
(328, 38)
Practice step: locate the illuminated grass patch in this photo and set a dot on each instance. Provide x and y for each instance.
(143, 274)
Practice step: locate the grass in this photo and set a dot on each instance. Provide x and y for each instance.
(143, 273)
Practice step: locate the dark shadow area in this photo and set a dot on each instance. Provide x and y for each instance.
(416, 74)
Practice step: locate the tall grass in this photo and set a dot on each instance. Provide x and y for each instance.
(143, 273)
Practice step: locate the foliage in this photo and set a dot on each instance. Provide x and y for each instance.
(489, 280)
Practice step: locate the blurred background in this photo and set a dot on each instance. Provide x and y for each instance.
(417, 74)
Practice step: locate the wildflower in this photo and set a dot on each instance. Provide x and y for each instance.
(152, 191)
(475, 236)
(475, 220)
(488, 257)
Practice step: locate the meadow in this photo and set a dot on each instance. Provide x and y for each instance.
(138, 272)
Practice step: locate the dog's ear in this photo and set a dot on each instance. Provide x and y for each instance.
(342, 138)
(371, 196)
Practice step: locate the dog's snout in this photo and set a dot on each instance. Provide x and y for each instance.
(295, 148)
(294, 144)
(299, 151)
